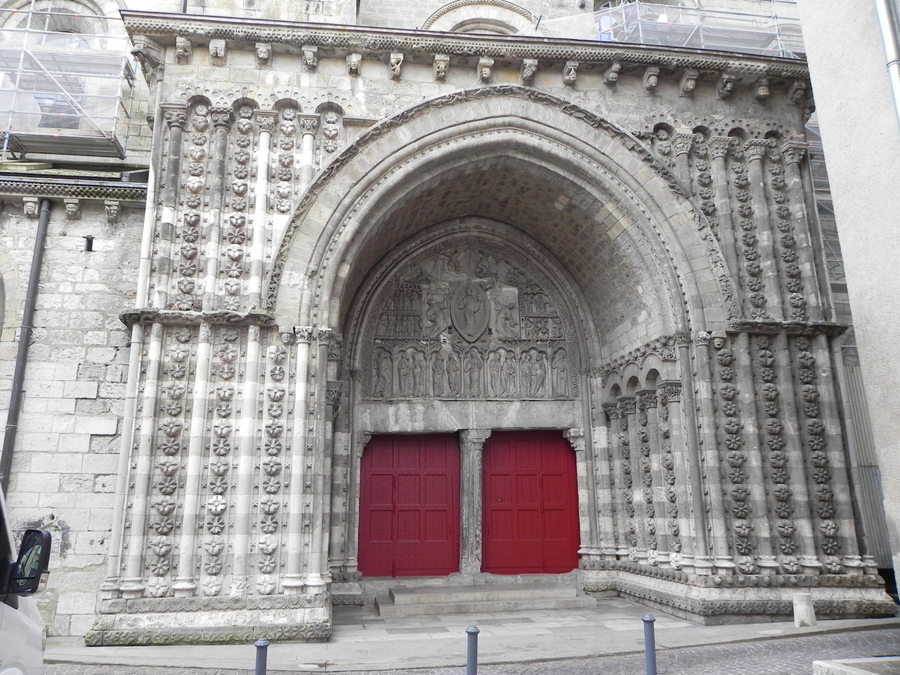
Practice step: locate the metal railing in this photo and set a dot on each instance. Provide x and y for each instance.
(776, 33)
(66, 82)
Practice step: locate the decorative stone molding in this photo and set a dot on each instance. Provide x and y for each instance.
(456, 4)
(344, 38)
(183, 318)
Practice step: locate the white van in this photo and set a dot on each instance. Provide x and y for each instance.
(21, 627)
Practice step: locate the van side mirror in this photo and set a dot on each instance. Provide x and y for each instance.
(33, 565)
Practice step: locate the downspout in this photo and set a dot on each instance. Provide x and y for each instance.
(25, 333)
(891, 49)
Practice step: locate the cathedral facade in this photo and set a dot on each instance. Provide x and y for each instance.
(423, 295)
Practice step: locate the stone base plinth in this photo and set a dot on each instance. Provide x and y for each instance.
(729, 599)
(212, 620)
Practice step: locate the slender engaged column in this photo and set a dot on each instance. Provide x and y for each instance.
(266, 122)
(472, 445)
(294, 576)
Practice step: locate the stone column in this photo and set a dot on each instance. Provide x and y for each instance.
(307, 150)
(756, 150)
(682, 144)
(316, 462)
(175, 116)
(246, 458)
(222, 119)
(620, 492)
(793, 153)
(184, 584)
(471, 444)
(718, 150)
(142, 470)
(575, 436)
(294, 576)
(358, 446)
(266, 122)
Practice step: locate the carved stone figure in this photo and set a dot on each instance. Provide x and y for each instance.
(570, 73)
(383, 375)
(651, 78)
(354, 61)
(453, 374)
(469, 311)
(310, 58)
(441, 65)
(473, 366)
(437, 375)
(217, 52)
(183, 51)
(559, 367)
(396, 64)
(263, 54)
(484, 70)
(529, 70)
(611, 76)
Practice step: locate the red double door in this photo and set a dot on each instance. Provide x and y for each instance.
(410, 513)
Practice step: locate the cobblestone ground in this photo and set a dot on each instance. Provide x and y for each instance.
(777, 656)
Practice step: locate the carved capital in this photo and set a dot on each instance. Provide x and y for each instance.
(575, 436)
(222, 118)
(266, 120)
(682, 143)
(217, 52)
(651, 78)
(441, 66)
(719, 146)
(756, 149)
(688, 82)
(310, 58)
(702, 338)
(175, 115)
(682, 338)
(362, 440)
(611, 410)
(793, 152)
(627, 405)
(485, 66)
(529, 70)
(670, 389)
(184, 51)
(472, 440)
(647, 398)
(570, 73)
(303, 334)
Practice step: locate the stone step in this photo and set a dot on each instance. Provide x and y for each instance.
(488, 598)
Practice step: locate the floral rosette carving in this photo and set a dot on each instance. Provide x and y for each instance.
(816, 442)
(749, 240)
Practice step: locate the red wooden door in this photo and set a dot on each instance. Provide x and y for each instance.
(530, 504)
(409, 506)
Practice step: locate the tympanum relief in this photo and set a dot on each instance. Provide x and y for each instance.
(469, 320)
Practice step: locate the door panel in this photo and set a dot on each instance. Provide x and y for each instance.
(409, 506)
(530, 504)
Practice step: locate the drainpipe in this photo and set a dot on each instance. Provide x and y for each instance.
(891, 49)
(25, 333)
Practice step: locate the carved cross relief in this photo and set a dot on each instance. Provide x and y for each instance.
(469, 320)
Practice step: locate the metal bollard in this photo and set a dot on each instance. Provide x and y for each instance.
(262, 649)
(472, 651)
(649, 644)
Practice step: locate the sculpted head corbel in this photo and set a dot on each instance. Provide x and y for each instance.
(354, 62)
(184, 50)
(263, 54)
(441, 66)
(310, 57)
(485, 65)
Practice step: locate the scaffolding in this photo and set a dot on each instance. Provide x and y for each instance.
(776, 33)
(66, 84)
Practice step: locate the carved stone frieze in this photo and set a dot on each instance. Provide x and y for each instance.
(468, 319)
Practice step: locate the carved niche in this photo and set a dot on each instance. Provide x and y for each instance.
(469, 319)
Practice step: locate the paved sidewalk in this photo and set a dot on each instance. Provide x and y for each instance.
(364, 641)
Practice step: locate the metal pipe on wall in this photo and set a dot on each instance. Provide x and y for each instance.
(25, 332)
(891, 49)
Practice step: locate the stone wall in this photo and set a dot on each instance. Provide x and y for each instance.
(66, 462)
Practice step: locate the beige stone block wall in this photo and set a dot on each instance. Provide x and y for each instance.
(65, 461)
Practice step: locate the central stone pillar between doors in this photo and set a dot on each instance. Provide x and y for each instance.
(471, 444)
